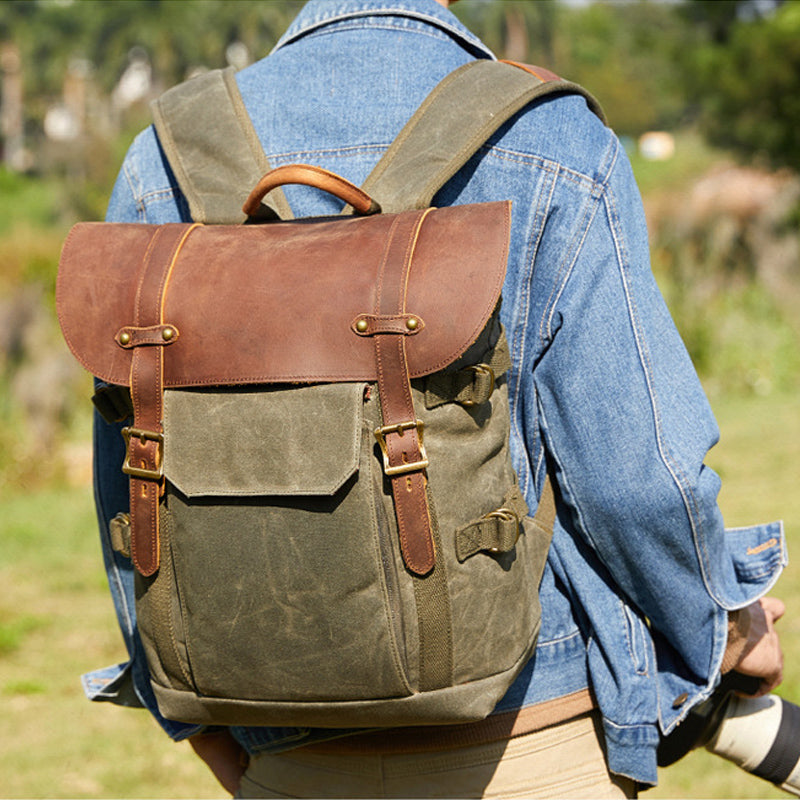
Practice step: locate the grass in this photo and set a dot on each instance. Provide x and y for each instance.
(56, 622)
(29, 201)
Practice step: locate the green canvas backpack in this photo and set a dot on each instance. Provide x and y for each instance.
(325, 524)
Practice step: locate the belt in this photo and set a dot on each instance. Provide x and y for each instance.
(495, 728)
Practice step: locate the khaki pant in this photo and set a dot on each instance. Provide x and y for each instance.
(565, 760)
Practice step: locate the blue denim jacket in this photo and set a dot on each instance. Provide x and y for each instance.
(641, 571)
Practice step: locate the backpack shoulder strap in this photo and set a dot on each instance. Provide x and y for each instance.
(216, 157)
(217, 162)
(456, 118)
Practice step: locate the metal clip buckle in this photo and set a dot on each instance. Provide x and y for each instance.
(401, 469)
(504, 515)
(144, 436)
(480, 369)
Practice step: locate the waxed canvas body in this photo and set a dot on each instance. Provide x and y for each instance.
(283, 591)
(283, 598)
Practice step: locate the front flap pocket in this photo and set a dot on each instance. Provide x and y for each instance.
(300, 440)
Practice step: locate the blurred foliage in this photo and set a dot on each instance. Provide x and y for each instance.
(733, 63)
(622, 52)
(176, 35)
(744, 80)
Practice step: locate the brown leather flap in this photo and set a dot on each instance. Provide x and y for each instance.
(279, 302)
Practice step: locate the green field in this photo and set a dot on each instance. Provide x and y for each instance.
(758, 458)
(56, 621)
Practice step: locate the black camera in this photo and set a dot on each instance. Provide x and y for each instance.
(759, 734)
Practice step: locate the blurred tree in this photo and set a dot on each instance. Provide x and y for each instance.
(746, 83)
(177, 36)
(514, 30)
(650, 63)
(622, 52)
(713, 18)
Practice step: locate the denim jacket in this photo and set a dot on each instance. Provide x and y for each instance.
(641, 572)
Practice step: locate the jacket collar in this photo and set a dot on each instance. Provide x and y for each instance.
(319, 13)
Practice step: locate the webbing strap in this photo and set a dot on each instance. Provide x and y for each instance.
(213, 148)
(497, 531)
(217, 158)
(456, 118)
(472, 385)
(434, 618)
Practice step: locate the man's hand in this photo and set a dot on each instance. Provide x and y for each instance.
(224, 756)
(762, 657)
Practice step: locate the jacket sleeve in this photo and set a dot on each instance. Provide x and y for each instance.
(628, 427)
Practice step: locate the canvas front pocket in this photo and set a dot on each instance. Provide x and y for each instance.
(275, 570)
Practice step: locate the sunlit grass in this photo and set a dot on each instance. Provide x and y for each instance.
(56, 622)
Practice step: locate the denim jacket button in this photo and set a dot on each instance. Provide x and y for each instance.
(680, 700)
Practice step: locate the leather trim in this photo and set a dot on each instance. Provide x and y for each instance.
(274, 303)
(541, 73)
(310, 175)
(372, 324)
(163, 334)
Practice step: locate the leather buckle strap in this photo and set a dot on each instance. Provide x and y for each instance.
(404, 456)
(400, 428)
(144, 441)
(157, 459)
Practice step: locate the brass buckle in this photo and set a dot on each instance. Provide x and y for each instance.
(480, 369)
(400, 427)
(504, 515)
(144, 436)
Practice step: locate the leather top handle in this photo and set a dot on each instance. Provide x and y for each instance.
(317, 177)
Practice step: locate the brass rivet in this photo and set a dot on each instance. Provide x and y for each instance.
(125, 338)
(167, 334)
(412, 323)
(362, 325)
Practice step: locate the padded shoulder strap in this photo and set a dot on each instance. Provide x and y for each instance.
(212, 147)
(217, 159)
(456, 118)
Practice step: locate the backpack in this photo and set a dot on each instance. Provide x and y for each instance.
(325, 524)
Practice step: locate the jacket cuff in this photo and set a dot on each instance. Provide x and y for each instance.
(738, 630)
